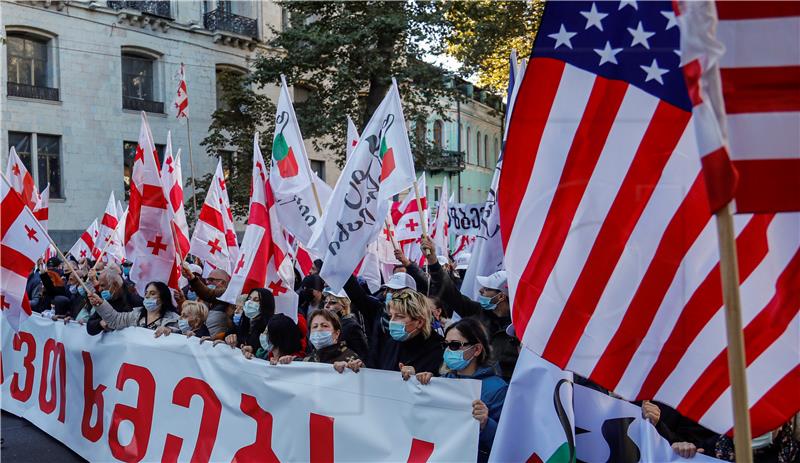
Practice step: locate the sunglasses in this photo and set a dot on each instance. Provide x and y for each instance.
(456, 345)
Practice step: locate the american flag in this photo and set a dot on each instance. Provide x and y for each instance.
(182, 98)
(609, 241)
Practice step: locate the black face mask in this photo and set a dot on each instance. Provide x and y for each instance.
(460, 274)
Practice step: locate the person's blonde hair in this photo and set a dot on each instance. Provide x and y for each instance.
(345, 301)
(415, 306)
(196, 307)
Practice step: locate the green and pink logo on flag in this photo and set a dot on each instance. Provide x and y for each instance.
(386, 153)
(282, 153)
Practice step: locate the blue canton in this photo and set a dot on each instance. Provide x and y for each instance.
(637, 42)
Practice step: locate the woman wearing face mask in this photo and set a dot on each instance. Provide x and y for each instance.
(280, 342)
(192, 321)
(257, 309)
(325, 336)
(410, 344)
(467, 356)
(157, 310)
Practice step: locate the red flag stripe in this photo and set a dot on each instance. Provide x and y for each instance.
(683, 229)
(759, 334)
(10, 208)
(727, 10)
(762, 89)
(705, 302)
(537, 101)
(766, 182)
(598, 118)
(87, 239)
(665, 130)
(110, 221)
(153, 196)
(780, 398)
(16, 261)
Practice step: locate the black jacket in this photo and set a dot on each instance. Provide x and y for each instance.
(338, 352)
(420, 278)
(504, 347)
(248, 331)
(354, 335)
(121, 304)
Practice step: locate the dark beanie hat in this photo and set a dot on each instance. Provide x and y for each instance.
(314, 282)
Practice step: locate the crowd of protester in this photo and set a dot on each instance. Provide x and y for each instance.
(418, 324)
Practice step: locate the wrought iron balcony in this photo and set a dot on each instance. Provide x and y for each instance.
(225, 21)
(137, 104)
(160, 8)
(445, 160)
(32, 91)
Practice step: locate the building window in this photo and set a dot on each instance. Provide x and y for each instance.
(420, 131)
(139, 77)
(467, 138)
(478, 148)
(437, 191)
(318, 167)
(30, 66)
(128, 155)
(227, 76)
(438, 128)
(486, 151)
(496, 154)
(285, 22)
(45, 150)
(301, 93)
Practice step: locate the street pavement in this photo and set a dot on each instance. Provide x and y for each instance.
(23, 442)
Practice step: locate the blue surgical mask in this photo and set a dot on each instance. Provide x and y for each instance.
(73, 289)
(191, 295)
(150, 304)
(454, 359)
(486, 302)
(252, 309)
(212, 286)
(81, 291)
(237, 318)
(321, 339)
(264, 341)
(126, 271)
(397, 330)
(105, 294)
(183, 325)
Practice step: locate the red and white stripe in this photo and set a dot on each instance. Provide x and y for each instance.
(406, 216)
(21, 180)
(149, 241)
(210, 241)
(264, 258)
(755, 84)
(85, 247)
(22, 241)
(182, 97)
(612, 257)
(172, 179)
(439, 232)
(42, 209)
(108, 223)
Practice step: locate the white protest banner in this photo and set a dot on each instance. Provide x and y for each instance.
(465, 218)
(130, 397)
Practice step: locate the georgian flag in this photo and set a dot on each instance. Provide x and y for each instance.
(21, 180)
(440, 235)
(149, 242)
(182, 97)
(264, 260)
(85, 247)
(108, 223)
(172, 182)
(42, 209)
(406, 216)
(210, 241)
(22, 241)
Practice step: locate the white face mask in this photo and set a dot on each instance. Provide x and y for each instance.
(762, 441)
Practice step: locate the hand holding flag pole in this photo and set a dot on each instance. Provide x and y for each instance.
(421, 215)
(390, 234)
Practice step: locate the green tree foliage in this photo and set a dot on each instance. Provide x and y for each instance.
(484, 32)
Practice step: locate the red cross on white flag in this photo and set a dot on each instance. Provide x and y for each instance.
(182, 97)
(214, 239)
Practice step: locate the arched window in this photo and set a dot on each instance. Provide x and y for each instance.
(228, 70)
(486, 150)
(466, 148)
(478, 148)
(420, 131)
(31, 63)
(141, 80)
(438, 128)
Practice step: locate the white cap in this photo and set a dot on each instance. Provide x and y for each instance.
(401, 280)
(443, 260)
(329, 290)
(462, 261)
(194, 268)
(497, 280)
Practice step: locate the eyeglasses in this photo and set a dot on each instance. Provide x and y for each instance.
(456, 345)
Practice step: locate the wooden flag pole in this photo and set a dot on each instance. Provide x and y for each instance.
(729, 273)
(191, 166)
(391, 234)
(105, 248)
(421, 213)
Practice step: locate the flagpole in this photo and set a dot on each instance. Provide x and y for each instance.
(52, 243)
(108, 243)
(390, 234)
(729, 273)
(191, 167)
(421, 214)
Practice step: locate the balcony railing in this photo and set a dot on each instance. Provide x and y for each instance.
(448, 161)
(229, 22)
(137, 104)
(160, 8)
(32, 91)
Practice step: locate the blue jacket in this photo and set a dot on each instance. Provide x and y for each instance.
(493, 394)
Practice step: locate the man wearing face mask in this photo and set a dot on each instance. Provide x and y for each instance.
(220, 312)
(492, 308)
(111, 289)
(311, 297)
